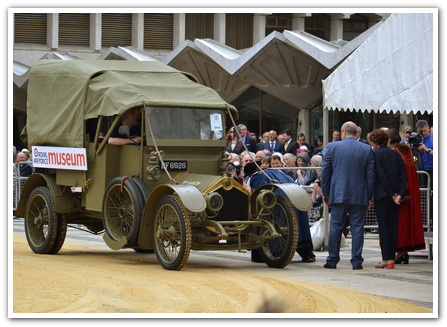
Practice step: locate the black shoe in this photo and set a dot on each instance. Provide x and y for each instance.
(328, 266)
(403, 259)
(256, 256)
(357, 267)
(308, 259)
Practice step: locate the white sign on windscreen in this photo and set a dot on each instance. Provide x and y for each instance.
(59, 157)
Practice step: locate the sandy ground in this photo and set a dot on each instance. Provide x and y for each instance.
(83, 279)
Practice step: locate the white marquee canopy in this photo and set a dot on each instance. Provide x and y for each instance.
(392, 71)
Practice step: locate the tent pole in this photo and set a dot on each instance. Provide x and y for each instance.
(325, 207)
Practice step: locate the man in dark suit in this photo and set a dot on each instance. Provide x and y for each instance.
(302, 141)
(272, 144)
(347, 182)
(358, 136)
(247, 139)
(290, 146)
(24, 169)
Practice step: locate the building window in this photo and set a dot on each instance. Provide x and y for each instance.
(354, 26)
(74, 29)
(199, 26)
(116, 30)
(239, 30)
(278, 22)
(158, 31)
(30, 28)
(318, 25)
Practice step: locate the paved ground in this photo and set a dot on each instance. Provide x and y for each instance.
(413, 283)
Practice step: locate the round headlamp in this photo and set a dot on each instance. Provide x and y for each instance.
(266, 199)
(214, 201)
(230, 168)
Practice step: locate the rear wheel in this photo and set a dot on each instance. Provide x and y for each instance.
(45, 230)
(122, 209)
(172, 233)
(278, 252)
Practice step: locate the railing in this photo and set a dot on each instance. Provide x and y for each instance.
(18, 182)
(371, 218)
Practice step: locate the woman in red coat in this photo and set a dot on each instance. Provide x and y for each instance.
(410, 227)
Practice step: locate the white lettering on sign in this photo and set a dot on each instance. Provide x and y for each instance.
(193, 183)
(59, 158)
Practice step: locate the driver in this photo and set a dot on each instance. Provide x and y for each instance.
(130, 119)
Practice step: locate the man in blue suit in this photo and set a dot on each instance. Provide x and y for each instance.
(347, 182)
(273, 145)
(305, 246)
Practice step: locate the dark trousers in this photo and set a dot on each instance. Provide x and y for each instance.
(305, 246)
(338, 223)
(387, 217)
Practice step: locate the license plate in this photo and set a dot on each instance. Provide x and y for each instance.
(176, 165)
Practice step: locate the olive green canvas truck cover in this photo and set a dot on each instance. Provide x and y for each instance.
(63, 94)
(169, 195)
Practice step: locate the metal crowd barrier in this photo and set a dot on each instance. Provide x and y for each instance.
(18, 182)
(371, 218)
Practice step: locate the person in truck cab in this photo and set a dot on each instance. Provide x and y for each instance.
(129, 131)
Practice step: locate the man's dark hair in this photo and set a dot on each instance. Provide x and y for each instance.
(421, 123)
(320, 138)
(287, 132)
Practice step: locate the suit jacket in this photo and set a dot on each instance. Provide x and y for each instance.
(279, 147)
(238, 148)
(363, 141)
(292, 147)
(348, 174)
(251, 144)
(25, 170)
(391, 175)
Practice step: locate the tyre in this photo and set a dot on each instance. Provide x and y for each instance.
(45, 230)
(60, 235)
(171, 233)
(142, 187)
(278, 252)
(140, 250)
(122, 208)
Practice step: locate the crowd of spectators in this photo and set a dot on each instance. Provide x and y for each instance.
(296, 158)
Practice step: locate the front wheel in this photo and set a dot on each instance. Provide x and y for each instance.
(45, 230)
(171, 233)
(277, 253)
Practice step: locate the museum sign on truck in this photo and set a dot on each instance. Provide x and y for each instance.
(59, 158)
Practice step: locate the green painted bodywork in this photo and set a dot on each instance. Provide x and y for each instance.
(64, 96)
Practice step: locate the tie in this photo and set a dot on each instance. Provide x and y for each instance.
(285, 145)
(272, 146)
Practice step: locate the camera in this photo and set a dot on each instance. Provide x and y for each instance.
(414, 137)
(238, 167)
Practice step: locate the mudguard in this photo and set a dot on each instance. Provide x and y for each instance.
(190, 196)
(296, 194)
(63, 203)
(115, 245)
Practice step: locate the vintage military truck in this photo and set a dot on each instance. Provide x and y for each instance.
(171, 193)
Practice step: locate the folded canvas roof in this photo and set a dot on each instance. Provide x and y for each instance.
(62, 94)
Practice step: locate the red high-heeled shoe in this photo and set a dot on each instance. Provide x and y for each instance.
(381, 264)
(390, 264)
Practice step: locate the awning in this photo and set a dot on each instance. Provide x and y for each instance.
(392, 71)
